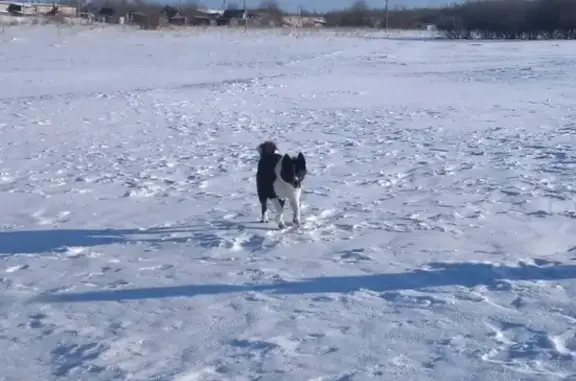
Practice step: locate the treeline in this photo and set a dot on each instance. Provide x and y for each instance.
(360, 15)
(511, 20)
(485, 19)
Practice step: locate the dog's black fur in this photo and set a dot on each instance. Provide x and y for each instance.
(292, 172)
(265, 176)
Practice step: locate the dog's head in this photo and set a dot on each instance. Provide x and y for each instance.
(293, 170)
(267, 148)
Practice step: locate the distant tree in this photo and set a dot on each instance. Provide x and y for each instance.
(309, 13)
(356, 15)
(269, 4)
(272, 10)
(510, 19)
(359, 6)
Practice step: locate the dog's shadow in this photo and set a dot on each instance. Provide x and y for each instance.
(58, 240)
(241, 225)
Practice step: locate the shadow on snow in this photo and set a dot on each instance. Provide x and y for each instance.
(443, 274)
(49, 241)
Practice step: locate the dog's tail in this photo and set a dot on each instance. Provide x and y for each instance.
(267, 148)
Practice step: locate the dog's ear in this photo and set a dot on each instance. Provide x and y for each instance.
(287, 167)
(301, 161)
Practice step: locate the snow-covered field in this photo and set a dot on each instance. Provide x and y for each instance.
(438, 239)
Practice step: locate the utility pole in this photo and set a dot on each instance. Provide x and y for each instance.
(245, 17)
(386, 12)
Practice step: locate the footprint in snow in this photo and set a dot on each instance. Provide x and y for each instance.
(16, 268)
(353, 256)
(154, 268)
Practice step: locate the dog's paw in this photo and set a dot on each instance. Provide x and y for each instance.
(296, 222)
(281, 225)
(264, 220)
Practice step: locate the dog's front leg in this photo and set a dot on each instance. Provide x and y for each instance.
(279, 206)
(295, 206)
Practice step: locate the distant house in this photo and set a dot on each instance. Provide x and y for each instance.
(34, 9)
(169, 11)
(138, 18)
(45, 8)
(303, 21)
(204, 16)
(173, 15)
(107, 15)
(233, 16)
(212, 12)
(55, 9)
(20, 9)
(68, 10)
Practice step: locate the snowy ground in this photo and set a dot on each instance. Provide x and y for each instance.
(438, 241)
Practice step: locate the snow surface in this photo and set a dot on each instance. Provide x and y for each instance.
(438, 239)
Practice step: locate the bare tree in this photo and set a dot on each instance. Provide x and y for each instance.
(359, 6)
(269, 4)
(511, 20)
(272, 10)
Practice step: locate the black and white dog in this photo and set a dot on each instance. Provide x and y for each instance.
(279, 178)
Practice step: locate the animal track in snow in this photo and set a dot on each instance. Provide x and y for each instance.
(16, 268)
(72, 358)
(214, 295)
(353, 256)
(528, 350)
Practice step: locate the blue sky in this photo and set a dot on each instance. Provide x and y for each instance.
(326, 5)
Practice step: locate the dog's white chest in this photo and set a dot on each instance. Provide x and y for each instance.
(284, 190)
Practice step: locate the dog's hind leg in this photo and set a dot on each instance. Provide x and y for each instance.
(279, 206)
(264, 209)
